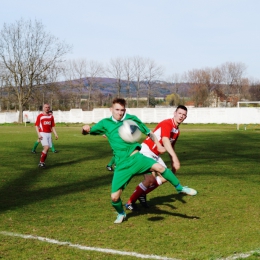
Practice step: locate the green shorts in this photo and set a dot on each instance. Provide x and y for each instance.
(125, 170)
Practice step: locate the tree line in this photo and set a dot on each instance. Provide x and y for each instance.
(34, 70)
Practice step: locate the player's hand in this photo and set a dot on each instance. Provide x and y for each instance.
(84, 132)
(176, 166)
(56, 137)
(85, 129)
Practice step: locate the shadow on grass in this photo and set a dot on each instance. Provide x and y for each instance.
(231, 147)
(17, 193)
(155, 208)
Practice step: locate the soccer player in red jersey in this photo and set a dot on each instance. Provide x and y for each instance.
(38, 141)
(167, 133)
(44, 126)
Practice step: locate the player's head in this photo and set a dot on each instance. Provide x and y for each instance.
(180, 114)
(118, 108)
(120, 101)
(46, 108)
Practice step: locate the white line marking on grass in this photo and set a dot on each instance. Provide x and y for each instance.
(239, 256)
(110, 251)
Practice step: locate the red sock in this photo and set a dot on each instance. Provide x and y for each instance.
(139, 190)
(152, 187)
(43, 157)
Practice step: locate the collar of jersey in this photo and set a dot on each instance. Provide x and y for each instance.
(118, 120)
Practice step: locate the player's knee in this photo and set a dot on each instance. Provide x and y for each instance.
(158, 168)
(160, 180)
(148, 180)
(46, 148)
(115, 197)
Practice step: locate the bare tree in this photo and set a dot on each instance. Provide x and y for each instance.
(200, 81)
(115, 70)
(232, 73)
(83, 76)
(94, 71)
(26, 53)
(75, 74)
(216, 85)
(175, 84)
(128, 76)
(254, 91)
(175, 80)
(139, 75)
(152, 75)
(51, 86)
(244, 89)
(1, 92)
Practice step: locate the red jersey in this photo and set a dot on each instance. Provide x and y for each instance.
(45, 123)
(166, 128)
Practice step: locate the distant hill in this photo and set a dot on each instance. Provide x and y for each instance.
(108, 86)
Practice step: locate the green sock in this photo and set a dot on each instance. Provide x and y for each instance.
(52, 148)
(112, 161)
(118, 206)
(170, 176)
(35, 145)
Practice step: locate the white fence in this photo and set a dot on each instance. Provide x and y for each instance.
(242, 115)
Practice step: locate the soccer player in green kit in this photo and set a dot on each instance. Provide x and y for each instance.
(129, 161)
(111, 163)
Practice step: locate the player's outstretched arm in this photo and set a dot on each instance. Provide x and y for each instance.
(174, 158)
(160, 148)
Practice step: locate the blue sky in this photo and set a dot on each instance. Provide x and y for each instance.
(178, 35)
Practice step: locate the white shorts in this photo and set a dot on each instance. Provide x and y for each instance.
(148, 153)
(46, 139)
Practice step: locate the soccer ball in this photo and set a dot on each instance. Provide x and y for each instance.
(129, 131)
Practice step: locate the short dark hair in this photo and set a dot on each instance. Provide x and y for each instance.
(182, 107)
(120, 101)
(50, 111)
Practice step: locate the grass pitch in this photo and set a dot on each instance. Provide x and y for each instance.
(69, 201)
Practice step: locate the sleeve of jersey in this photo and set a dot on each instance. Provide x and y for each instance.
(97, 129)
(165, 129)
(143, 128)
(52, 122)
(37, 122)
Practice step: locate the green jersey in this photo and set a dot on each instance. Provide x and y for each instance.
(127, 164)
(109, 127)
